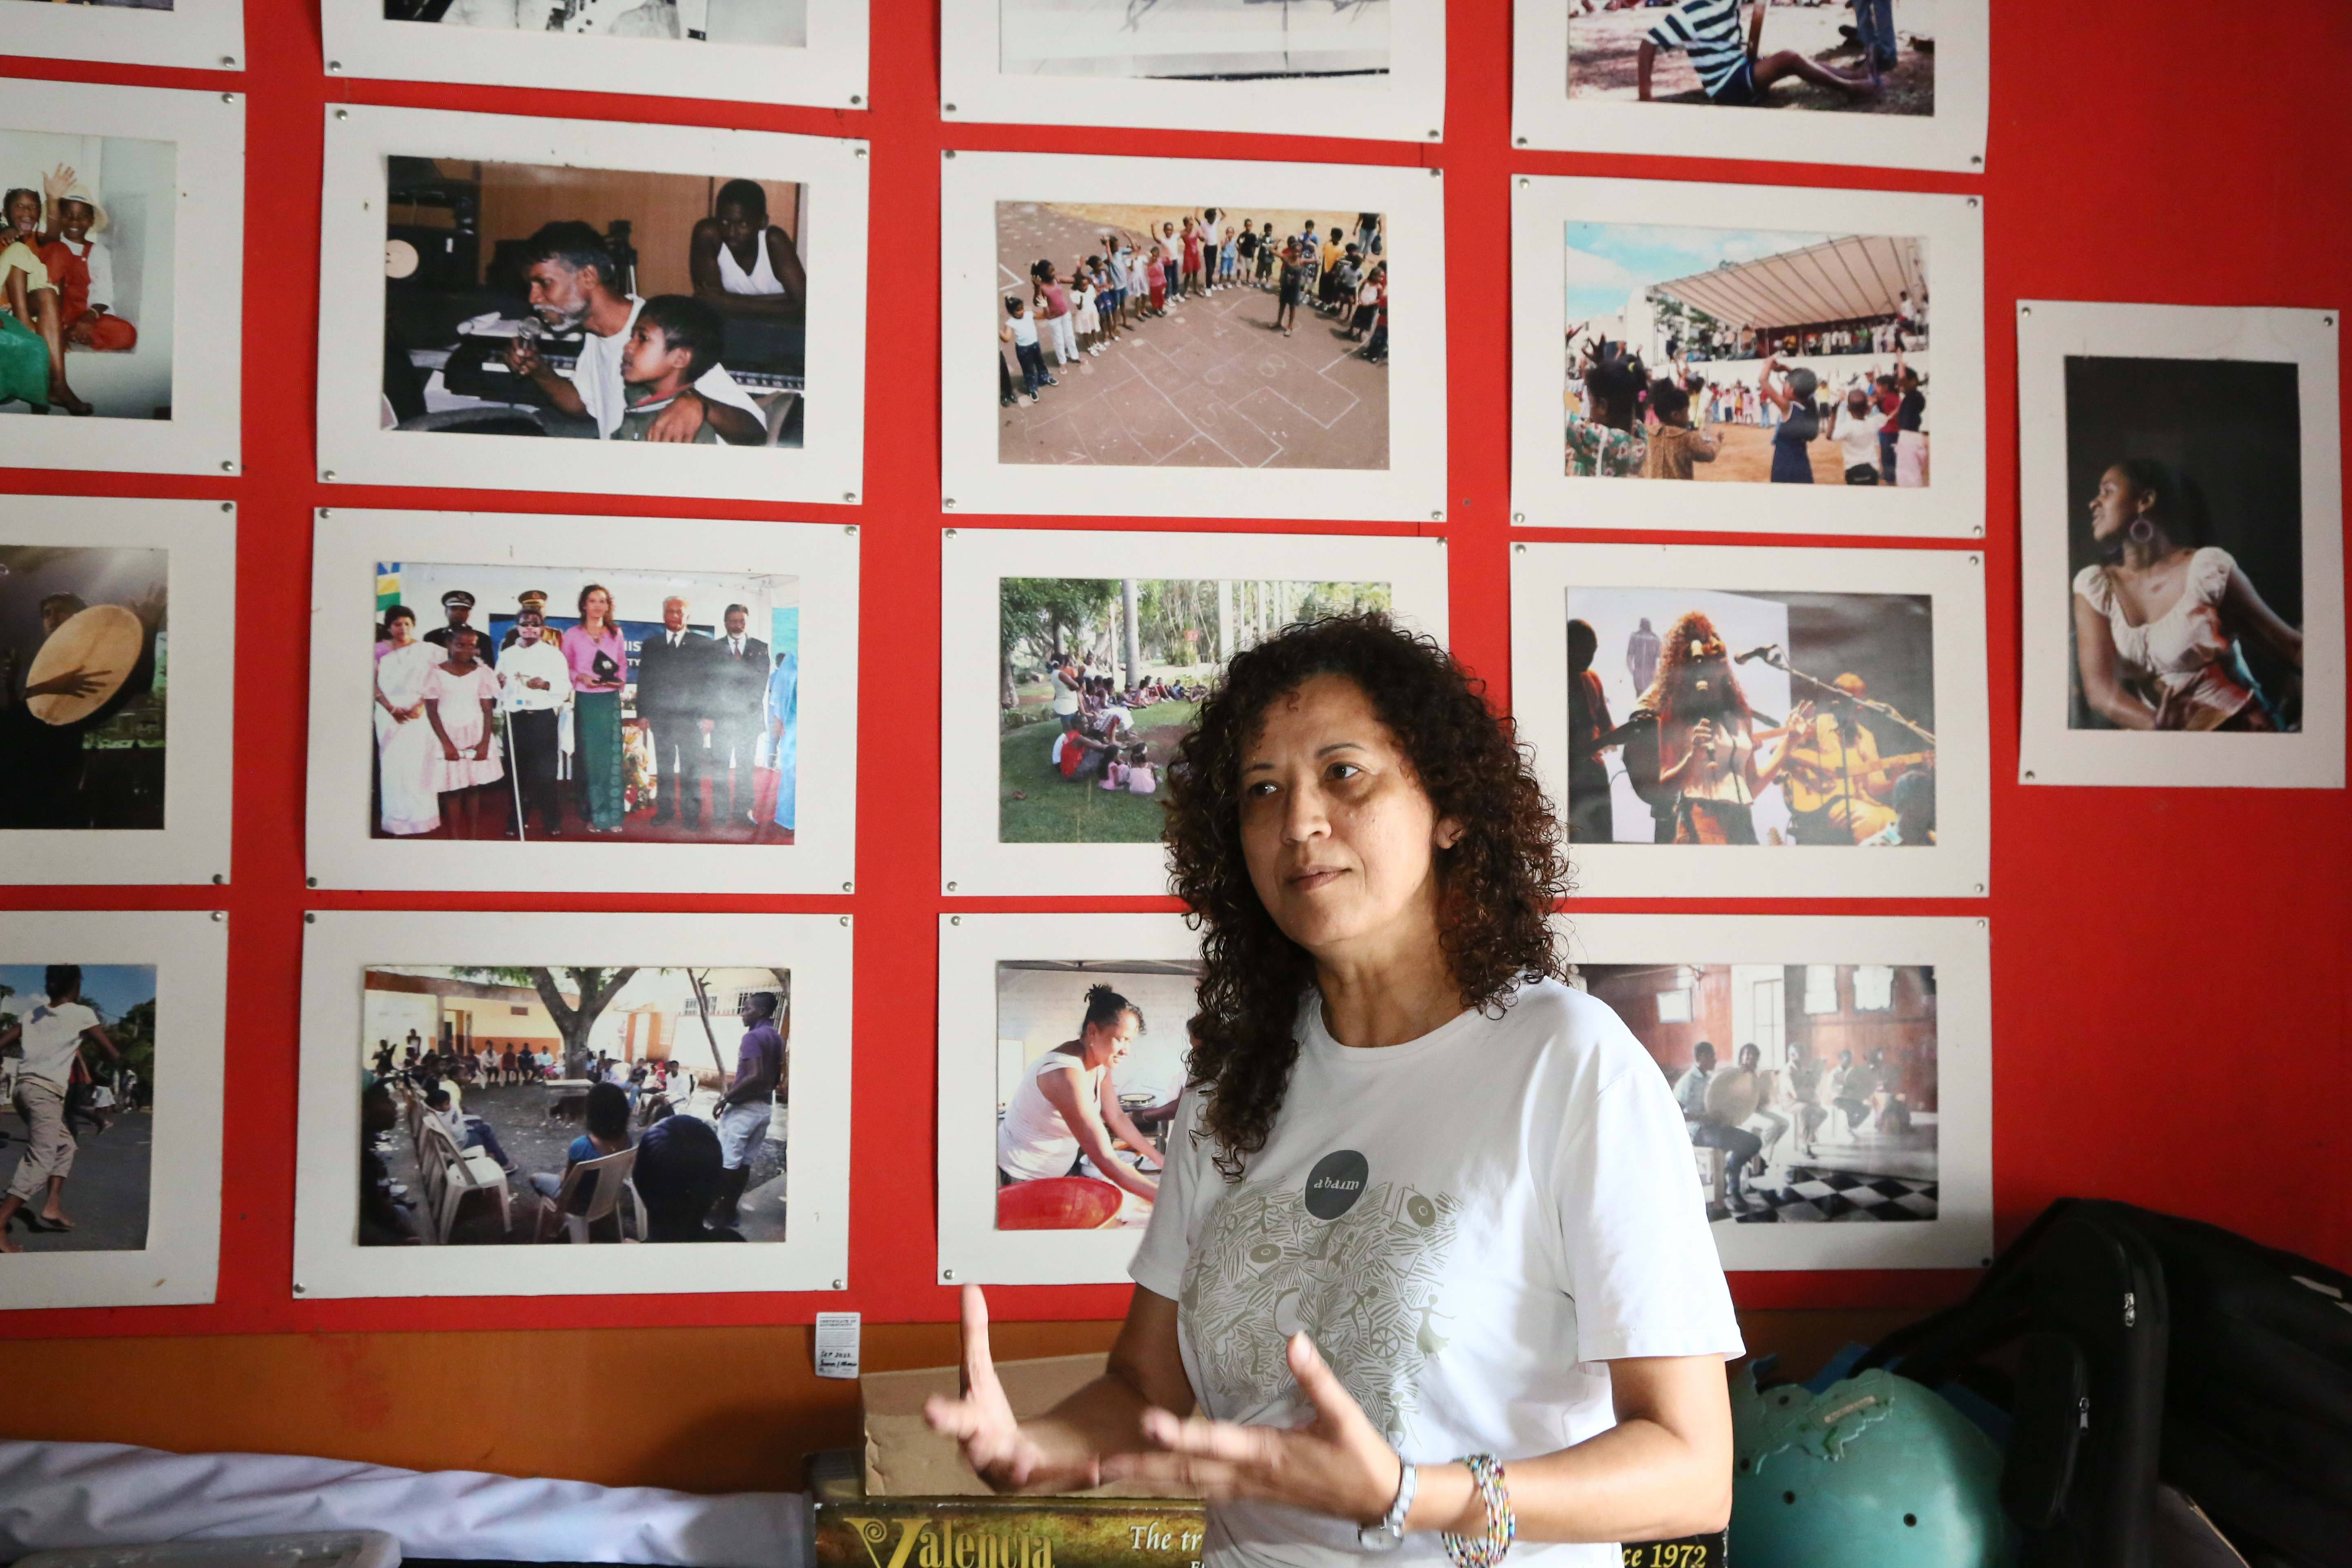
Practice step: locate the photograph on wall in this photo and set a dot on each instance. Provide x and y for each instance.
(1804, 345)
(79, 1043)
(593, 304)
(768, 24)
(1195, 41)
(1740, 721)
(609, 705)
(497, 698)
(1246, 347)
(84, 657)
(1102, 678)
(1137, 337)
(203, 35)
(523, 1115)
(573, 1102)
(2177, 515)
(1073, 664)
(1757, 78)
(1839, 1111)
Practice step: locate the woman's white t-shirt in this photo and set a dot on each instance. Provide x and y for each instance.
(1034, 1139)
(1468, 1226)
(52, 1035)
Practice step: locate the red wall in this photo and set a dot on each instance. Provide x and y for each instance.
(2141, 939)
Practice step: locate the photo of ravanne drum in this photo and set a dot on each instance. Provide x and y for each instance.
(78, 1065)
(613, 305)
(1871, 56)
(572, 1103)
(83, 651)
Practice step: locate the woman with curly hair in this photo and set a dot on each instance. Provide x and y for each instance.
(1427, 1212)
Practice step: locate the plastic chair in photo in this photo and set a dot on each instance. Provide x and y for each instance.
(608, 1175)
(1058, 1202)
(461, 1173)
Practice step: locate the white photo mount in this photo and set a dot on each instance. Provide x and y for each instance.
(1406, 104)
(1545, 495)
(972, 1250)
(180, 1265)
(2051, 332)
(339, 946)
(973, 480)
(972, 563)
(199, 708)
(830, 71)
(203, 333)
(1959, 951)
(1958, 865)
(196, 34)
(355, 449)
(1952, 139)
(342, 853)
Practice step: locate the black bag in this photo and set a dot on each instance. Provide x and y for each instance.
(2155, 1345)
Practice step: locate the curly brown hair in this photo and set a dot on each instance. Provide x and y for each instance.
(1497, 885)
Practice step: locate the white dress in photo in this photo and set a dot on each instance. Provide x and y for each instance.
(406, 752)
(461, 699)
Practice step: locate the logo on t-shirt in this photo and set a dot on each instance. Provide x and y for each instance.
(1336, 1183)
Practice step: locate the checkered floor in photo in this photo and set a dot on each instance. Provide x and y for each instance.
(1812, 1195)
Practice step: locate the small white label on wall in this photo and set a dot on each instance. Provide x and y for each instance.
(836, 1345)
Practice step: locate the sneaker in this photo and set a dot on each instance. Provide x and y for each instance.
(1051, 382)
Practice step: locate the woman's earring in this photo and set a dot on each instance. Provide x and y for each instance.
(2141, 531)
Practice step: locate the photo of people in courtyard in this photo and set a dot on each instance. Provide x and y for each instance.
(1809, 1089)
(1197, 40)
(573, 1105)
(87, 226)
(778, 23)
(83, 652)
(554, 703)
(530, 300)
(1210, 337)
(1867, 57)
(78, 1046)
(1090, 1063)
(1748, 355)
(1098, 680)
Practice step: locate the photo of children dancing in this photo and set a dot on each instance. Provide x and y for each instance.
(1746, 356)
(1809, 1089)
(1137, 335)
(77, 1086)
(1868, 57)
(86, 261)
(2185, 544)
(1707, 718)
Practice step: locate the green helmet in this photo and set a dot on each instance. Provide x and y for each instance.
(1876, 1469)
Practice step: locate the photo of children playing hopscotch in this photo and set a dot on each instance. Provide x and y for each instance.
(1872, 57)
(1746, 356)
(1205, 338)
(1099, 680)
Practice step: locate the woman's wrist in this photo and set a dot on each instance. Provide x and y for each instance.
(1447, 1499)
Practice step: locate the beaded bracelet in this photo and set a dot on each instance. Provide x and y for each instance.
(1502, 1526)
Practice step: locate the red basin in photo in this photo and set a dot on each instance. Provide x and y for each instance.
(1057, 1203)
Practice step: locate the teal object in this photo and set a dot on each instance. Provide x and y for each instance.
(1873, 1470)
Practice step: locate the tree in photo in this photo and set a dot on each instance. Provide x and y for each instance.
(596, 988)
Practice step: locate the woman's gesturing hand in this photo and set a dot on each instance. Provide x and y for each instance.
(981, 1421)
(1336, 1464)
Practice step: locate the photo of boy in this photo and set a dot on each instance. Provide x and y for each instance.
(675, 340)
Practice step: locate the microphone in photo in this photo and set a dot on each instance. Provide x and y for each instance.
(1768, 652)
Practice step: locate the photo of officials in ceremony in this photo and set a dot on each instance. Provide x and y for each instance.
(573, 1105)
(78, 1046)
(87, 236)
(530, 300)
(1808, 1090)
(1089, 1061)
(83, 660)
(538, 704)
(1709, 718)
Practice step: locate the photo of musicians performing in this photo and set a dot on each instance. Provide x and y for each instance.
(1198, 41)
(2185, 545)
(545, 703)
(76, 1105)
(1700, 717)
(1086, 1088)
(1866, 57)
(573, 1104)
(777, 24)
(527, 300)
(82, 658)
(1746, 355)
(88, 231)
(1809, 1089)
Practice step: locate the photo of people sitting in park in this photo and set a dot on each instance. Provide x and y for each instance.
(545, 704)
(1746, 356)
(1196, 40)
(77, 1047)
(1809, 1089)
(777, 24)
(528, 300)
(1869, 57)
(1137, 336)
(83, 651)
(1089, 1062)
(2184, 526)
(573, 1105)
(1698, 716)
(87, 234)
(1098, 681)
